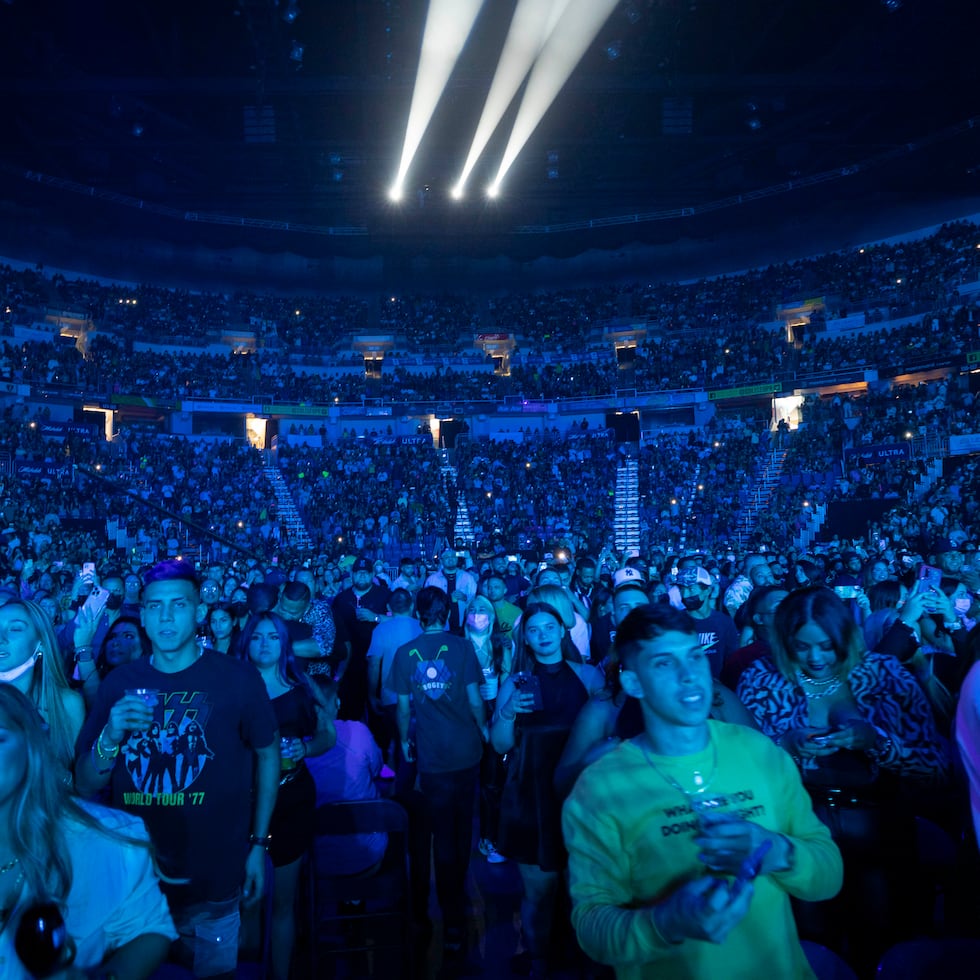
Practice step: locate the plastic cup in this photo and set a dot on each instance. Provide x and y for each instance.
(148, 695)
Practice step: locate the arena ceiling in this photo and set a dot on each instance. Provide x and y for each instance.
(225, 122)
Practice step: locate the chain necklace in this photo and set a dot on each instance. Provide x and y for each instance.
(824, 688)
(9, 866)
(701, 782)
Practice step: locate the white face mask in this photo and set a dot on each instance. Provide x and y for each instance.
(962, 605)
(6, 676)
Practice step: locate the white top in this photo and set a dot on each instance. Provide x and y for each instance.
(115, 895)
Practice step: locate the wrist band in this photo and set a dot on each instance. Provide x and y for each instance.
(109, 755)
(264, 842)
(95, 761)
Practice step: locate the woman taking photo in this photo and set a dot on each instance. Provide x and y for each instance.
(305, 730)
(124, 642)
(861, 730)
(536, 709)
(30, 660)
(91, 863)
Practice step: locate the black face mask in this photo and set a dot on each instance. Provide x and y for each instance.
(239, 609)
(692, 602)
(114, 602)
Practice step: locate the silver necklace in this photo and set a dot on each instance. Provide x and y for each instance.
(824, 689)
(701, 782)
(9, 866)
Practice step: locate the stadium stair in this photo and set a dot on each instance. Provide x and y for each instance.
(289, 517)
(628, 507)
(462, 524)
(759, 497)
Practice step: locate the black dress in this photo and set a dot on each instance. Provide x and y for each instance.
(530, 817)
(292, 820)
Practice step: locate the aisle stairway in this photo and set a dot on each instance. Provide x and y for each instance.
(627, 505)
(759, 497)
(462, 525)
(292, 524)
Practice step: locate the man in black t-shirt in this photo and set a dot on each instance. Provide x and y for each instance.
(210, 714)
(440, 673)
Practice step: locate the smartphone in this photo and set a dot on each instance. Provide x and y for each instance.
(820, 739)
(846, 591)
(529, 683)
(88, 571)
(96, 600)
(929, 578)
(749, 869)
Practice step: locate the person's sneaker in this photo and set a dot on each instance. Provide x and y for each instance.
(492, 855)
(484, 846)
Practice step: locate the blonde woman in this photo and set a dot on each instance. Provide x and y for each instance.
(30, 660)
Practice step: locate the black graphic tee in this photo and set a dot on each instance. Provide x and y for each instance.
(435, 669)
(190, 774)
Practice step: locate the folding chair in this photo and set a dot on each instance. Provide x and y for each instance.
(378, 932)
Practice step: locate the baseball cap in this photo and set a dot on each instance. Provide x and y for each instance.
(362, 564)
(628, 577)
(694, 576)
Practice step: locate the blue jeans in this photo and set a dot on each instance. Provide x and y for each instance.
(207, 943)
(450, 797)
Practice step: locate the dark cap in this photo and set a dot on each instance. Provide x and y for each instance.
(362, 564)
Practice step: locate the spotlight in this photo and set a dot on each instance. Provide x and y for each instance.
(493, 190)
(395, 194)
(457, 193)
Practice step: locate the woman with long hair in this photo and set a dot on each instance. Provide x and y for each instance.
(124, 641)
(536, 709)
(222, 630)
(92, 864)
(30, 660)
(863, 735)
(574, 615)
(305, 730)
(494, 651)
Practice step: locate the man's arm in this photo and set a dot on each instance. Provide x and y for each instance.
(97, 748)
(266, 787)
(403, 715)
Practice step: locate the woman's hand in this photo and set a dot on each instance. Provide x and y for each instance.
(294, 748)
(855, 734)
(808, 743)
(86, 624)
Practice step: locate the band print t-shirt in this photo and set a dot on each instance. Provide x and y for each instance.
(435, 668)
(190, 774)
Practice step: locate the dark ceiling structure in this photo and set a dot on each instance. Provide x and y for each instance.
(277, 124)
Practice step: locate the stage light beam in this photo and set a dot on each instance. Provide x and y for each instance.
(447, 26)
(530, 27)
(563, 50)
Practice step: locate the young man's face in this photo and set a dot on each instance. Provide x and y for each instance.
(672, 679)
(170, 615)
